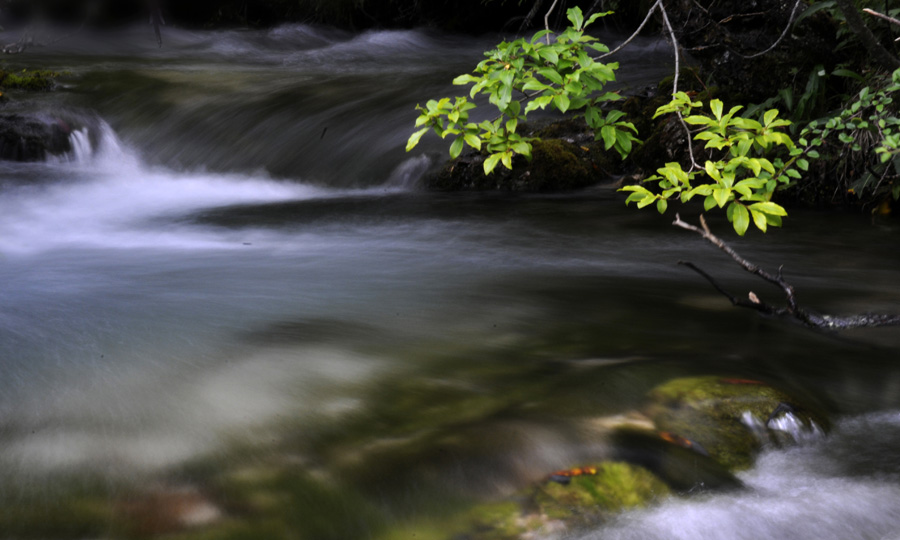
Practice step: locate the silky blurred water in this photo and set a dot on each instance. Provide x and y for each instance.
(241, 256)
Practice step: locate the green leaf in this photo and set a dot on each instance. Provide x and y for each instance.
(759, 219)
(716, 107)
(661, 206)
(414, 139)
(576, 17)
(562, 102)
(491, 162)
(740, 218)
(803, 165)
(465, 79)
(551, 75)
(608, 133)
(709, 202)
(456, 147)
(769, 208)
(721, 196)
(646, 201)
(549, 54)
(506, 159)
(473, 140)
(623, 138)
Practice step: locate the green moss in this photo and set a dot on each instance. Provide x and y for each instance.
(615, 486)
(34, 80)
(708, 410)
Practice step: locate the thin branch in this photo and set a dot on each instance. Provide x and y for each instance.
(675, 48)
(547, 19)
(783, 33)
(881, 16)
(793, 309)
(655, 5)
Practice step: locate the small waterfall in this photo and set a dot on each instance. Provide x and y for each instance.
(409, 173)
(785, 428)
(82, 150)
(94, 142)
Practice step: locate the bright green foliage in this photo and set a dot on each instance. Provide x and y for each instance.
(750, 160)
(560, 74)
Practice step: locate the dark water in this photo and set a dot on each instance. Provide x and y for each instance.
(239, 277)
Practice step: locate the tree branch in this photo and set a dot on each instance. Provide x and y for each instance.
(783, 33)
(547, 19)
(675, 48)
(793, 309)
(881, 16)
(655, 5)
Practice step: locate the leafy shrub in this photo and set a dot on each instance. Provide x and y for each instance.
(560, 74)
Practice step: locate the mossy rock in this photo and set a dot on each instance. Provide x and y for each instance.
(33, 80)
(615, 486)
(556, 165)
(730, 418)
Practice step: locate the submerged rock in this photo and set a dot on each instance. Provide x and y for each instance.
(732, 418)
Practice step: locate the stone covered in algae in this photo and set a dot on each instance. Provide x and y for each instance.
(31, 80)
(728, 417)
(548, 509)
(613, 487)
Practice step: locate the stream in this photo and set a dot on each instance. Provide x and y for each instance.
(237, 274)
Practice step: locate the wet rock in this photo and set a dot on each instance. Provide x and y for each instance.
(732, 418)
(684, 465)
(33, 81)
(32, 138)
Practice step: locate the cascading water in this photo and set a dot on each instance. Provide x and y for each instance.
(233, 276)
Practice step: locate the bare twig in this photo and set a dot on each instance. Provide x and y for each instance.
(881, 16)
(675, 48)
(783, 33)
(547, 19)
(793, 309)
(653, 8)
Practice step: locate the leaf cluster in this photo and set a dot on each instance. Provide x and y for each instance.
(866, 134)
(750, 160)
(537, 73)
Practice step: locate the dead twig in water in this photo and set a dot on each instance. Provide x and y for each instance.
(793, 308)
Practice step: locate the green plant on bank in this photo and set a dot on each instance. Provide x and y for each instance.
(750, 161)
(560, 74)
(868, 138)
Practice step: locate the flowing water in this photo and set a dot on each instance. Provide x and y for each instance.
(235, 272)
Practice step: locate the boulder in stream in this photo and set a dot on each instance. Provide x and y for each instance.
(732, 418)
